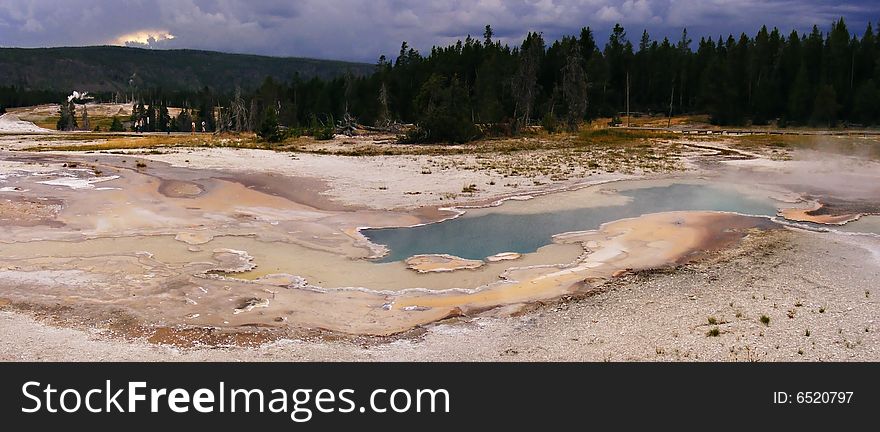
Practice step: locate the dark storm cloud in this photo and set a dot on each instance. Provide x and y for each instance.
(363, 29)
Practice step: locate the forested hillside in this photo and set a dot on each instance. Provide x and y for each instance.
(108, 69)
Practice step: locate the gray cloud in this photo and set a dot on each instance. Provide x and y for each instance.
(363, 29)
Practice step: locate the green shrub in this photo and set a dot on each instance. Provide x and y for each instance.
(414, 135)
(269, 129)
(550, 123)
(323, 131)
(501, 129)
(441, 127)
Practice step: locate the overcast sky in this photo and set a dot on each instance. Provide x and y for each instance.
(363, 29)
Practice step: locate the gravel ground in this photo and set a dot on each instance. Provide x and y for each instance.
(817, 289)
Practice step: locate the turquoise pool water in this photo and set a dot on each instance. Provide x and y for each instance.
(477, 237)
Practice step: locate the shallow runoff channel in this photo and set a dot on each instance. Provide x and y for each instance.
(481, 233)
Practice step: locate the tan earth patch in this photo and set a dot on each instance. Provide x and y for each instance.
(441, 263)
(21, 211)
(180, 189)
(503, 256)
(809, 215)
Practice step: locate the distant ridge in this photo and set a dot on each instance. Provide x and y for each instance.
(110, 68)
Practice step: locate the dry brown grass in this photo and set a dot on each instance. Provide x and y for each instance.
(94, 121)
(658, 121)
(105, 142)
(47, 122)
(589, 138)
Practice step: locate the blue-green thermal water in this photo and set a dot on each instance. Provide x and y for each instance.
(477, 237)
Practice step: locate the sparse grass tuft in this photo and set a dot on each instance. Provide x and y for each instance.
(766, 140)
(712, 320)
(614, 136)
(713, 332)
(765, 320)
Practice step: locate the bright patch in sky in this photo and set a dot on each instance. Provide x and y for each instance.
(143, 37)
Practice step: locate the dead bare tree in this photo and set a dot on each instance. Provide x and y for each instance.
(525, 82)
(349, 90)
(384, 118)
(238, 112)
(252, 117)
(219, 120)
(85, 119)
(574, 89)
(347, 125)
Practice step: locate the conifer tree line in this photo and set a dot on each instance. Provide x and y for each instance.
(156, 117)
(477, 86)
(481, 86)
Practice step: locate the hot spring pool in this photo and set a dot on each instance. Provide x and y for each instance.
(479, 236)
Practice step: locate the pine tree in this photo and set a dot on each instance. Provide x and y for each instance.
(868, 54)
(865, 108)
(269, 129)
(840, 63)
(150, 119)
(618, 55)
(64, 119)
(116, 126)
(138, 112)
(801, 97)
(163, 120)
(67, 119)
(441, 101)
(685, 62)
(71, 121)
(206, 114)
(488, 89)
(183, 121)
(574, 89)
(825, 107)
